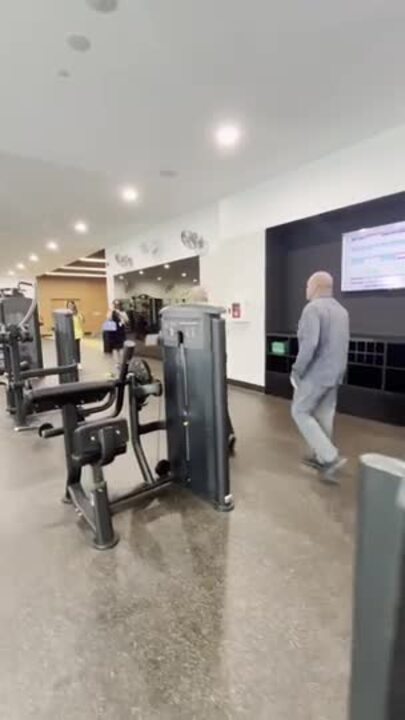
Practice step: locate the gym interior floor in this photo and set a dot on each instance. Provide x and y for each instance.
(195, 614)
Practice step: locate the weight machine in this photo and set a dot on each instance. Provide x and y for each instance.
(15, 305)
(195, 385)
(19, 368)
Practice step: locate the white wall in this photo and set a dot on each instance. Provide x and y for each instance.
(234, 272)
(11, 282)
(370, 169)
(159, 244)
(162, 243)
(236, 227)
(8, 282)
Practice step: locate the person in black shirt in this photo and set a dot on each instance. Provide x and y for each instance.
(117, 337)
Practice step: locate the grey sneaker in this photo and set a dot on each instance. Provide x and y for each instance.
(329, 470)
(311, 462)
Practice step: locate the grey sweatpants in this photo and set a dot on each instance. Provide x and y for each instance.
(313, 410)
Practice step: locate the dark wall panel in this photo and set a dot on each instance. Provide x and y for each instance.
(296, 250)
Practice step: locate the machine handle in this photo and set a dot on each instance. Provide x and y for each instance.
(142, 392)
(45, 372)
(129, 352)
(86, 411)
(49, 431)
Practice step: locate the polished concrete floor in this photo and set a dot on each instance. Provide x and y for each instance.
(195, 615)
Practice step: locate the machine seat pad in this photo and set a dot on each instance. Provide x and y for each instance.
(76, 393)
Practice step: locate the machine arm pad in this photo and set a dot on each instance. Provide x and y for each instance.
(76, 393)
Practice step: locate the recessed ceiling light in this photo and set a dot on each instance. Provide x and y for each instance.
(58, 273)
(167, 266)
(129, 194)
(121, 277)
(141, 272)
(78, 42)
(159, 278)
(20, 266)
(183, 274)
(95, 270)
(81, 227)
(52, 245)
(11, 273)
(195, 280)
(103, 6)
(228, 136)
(33, 257)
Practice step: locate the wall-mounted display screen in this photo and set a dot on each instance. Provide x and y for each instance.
(374, 258)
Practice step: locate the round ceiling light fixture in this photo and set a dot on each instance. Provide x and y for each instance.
(52, 245)
(183, 274)
(141, 272)
(20, 266)
(228, 136)
(78, 42)
(167, 266)
(33, 257)
(159, 278)
(81, 227)
(11, 273)
(129, 194)
(103, 6)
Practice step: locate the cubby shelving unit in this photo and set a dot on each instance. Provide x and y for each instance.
(374, 385)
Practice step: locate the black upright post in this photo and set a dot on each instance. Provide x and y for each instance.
(378, 655)
(194, 357)
(70, 420)
(104, 535)
(17, 384)
(220, 392)
(65, 344)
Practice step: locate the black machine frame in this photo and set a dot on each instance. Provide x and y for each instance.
(194, 360)
(198, 453)
(108, 436)
(15, 304)
(17, 372)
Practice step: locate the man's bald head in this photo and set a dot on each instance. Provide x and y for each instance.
(320, 284)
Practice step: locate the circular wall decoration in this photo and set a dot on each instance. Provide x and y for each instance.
(194, 241)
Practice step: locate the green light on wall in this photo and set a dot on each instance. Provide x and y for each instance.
(278, 348)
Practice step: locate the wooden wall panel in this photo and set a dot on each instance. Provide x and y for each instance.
(90, 295)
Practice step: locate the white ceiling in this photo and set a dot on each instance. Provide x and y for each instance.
(303, 77)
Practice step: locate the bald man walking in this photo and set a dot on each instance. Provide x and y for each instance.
(323, 337)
